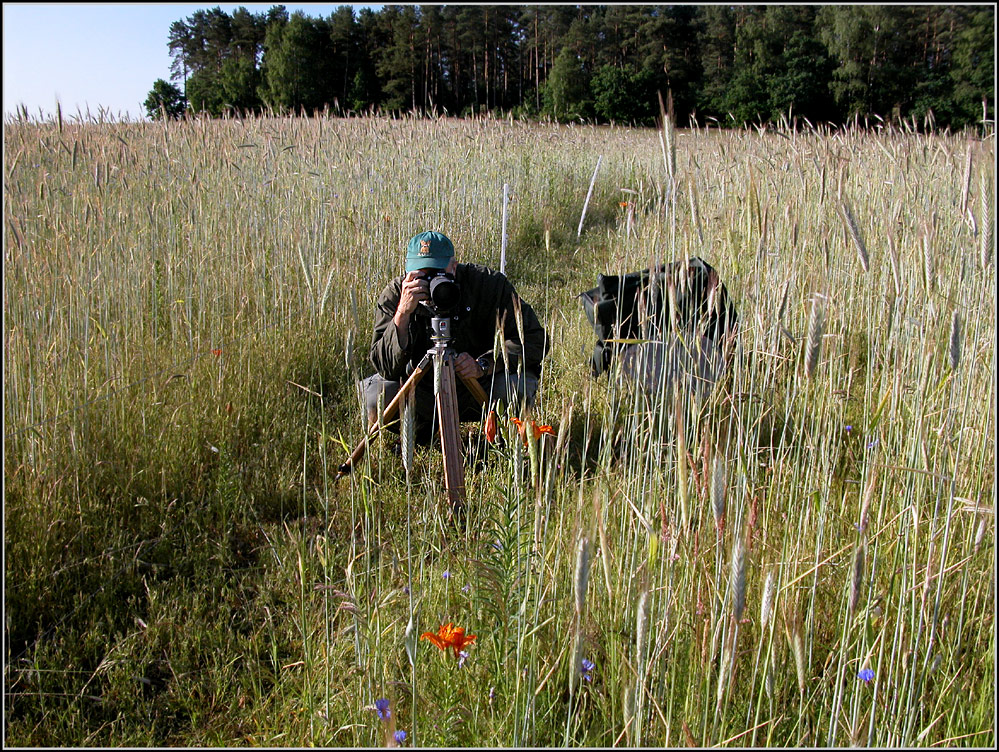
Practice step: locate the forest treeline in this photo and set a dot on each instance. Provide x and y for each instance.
(736, 64)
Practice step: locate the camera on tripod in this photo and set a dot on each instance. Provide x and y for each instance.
(444, 293)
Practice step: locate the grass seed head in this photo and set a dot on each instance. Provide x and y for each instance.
(816, 324)
(955, 341)
(986, 233)
(407, 432)
(681, 457)
(642, 629)
(718, 486)
(858, 240)
(857, 581)
(980, 534)
(795, 638)
(865, 507)
(929, 268)
(577, 660)
(893, 260)
(724, 669)
(582, 572)
(767, 600)
(738, 578)
(667, 133)
(798, 647)
(687, 736)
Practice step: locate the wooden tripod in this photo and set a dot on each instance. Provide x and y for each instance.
(441, 356)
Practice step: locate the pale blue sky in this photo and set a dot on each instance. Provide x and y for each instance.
(98, 54)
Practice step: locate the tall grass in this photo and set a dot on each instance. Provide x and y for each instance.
(187, 307)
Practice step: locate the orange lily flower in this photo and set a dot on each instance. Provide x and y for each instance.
(491, 427)
(521, 429)
(537, 430)
(449, 636)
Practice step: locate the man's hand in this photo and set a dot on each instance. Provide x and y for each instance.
(467, 367)
(414, 289)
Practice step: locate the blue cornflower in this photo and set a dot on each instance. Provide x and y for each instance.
(382, 706)
(866, 675)
(462, 657)
(447, 574)
(848, 429)
(467, 588)
(400, 736)
(586, 667)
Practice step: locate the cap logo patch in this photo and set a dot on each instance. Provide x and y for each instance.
(424, 247)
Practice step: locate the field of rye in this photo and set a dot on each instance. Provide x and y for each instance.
(804, 558)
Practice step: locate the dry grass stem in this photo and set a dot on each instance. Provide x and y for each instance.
(868, 498)
(966, 183)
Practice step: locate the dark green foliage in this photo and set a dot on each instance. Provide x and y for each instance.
(238, 82)
(624, 96)
(297, 68)
(397, 65)
(345, 52)
(777, 67)
(566, 94)
(204, 92)
(755, 63)
(217, 58)
(972, 70)
(164, 99)
(799, 85)
(199, 43)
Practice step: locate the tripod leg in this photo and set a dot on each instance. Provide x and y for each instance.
(476, 389)
(387, 415)
(447, 413)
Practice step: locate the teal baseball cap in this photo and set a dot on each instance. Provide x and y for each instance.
(429, 250)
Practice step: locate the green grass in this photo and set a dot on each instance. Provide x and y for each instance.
(188, 305)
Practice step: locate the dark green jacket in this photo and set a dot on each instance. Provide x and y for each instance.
(484, 294)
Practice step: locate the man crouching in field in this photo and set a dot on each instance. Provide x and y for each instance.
(484, 302)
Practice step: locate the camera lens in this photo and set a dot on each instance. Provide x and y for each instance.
(444, 292)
